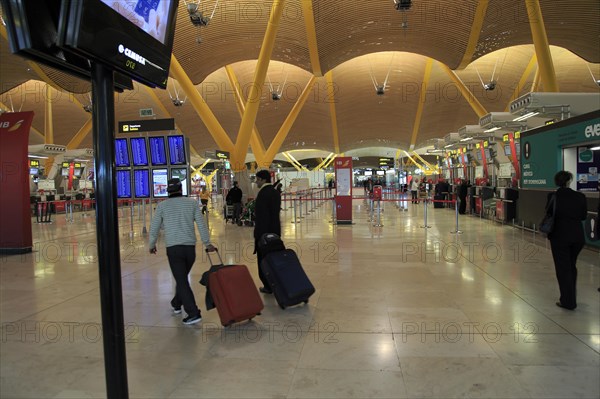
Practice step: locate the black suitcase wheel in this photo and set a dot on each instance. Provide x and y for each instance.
(306, 302)
(282, 307)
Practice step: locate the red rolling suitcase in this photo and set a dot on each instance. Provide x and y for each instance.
(233, 292)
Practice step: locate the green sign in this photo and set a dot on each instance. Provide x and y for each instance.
(541, 148)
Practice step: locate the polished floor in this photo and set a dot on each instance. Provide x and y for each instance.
(400, 311)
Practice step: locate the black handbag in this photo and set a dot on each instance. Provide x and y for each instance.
(547, 223)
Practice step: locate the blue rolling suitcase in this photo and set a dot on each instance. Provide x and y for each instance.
(287, 278)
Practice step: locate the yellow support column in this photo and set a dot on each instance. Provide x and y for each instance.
(258, 147)
(210, 120)
(243, 138)
(536, 81)
(542, 46)
(80, 135)
(311, 36)
(480, 13)
(471, 99)
(421, 104)
(532, 64)
(332, 112)
(289, 121)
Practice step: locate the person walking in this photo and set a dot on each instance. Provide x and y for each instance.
(204, 197)
(567, 237)
(266, 210)
(414, 190)
(234, 197)
(177, 215)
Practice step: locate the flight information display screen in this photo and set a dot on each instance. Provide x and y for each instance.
(123, 184)
(121, 153)
(158, 154)
(139, 151)
(176, 150)
(141, 182)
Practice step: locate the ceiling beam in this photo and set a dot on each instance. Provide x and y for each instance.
(201, 107)
(311, 37)
(80, 135)
(466, 93)
(332, 112)
(532, 64)
(480, 14)
(421, 105)
(287, 124)
(165, 112)
(256, 143)
(542, 46)
(238, 157)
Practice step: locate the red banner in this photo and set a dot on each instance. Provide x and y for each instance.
(15, 211)
(513, 155)
(344, 180)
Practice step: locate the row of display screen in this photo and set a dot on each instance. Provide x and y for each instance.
(134, 151)
(137, 183)
(462, 158)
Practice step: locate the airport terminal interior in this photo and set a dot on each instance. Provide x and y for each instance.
(353, 108)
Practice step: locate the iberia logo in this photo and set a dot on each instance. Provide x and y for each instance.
(16, 126)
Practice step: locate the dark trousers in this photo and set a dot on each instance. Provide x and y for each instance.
(462, 208)
(414, 195)
(565, 259)
(237, 210)
(181, 260)
(261, 276)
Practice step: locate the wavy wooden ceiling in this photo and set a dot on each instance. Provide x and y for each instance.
(354, 40)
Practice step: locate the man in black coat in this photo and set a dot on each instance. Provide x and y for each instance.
(567, 237)
(234, 197)
(462, 195)
(266, 211)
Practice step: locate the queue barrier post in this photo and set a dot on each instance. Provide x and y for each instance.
(144, 229)
(378, 214)
(295, 219)
(457, 231)
(425, 225)
(131, 214)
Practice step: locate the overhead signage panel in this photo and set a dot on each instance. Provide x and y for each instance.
(150, 125)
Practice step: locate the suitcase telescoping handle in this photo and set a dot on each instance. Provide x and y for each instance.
(210, 259)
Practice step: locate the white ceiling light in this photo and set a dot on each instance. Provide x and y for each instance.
(492, 129)
(526, 116)
(467, 139)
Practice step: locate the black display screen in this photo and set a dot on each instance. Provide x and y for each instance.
(139, 151)
(141, 182)
(158, 154)
(121, 153)
(123, 184)
(134, 37)
(176, 150)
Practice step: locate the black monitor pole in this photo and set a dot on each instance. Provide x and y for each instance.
(107, 233)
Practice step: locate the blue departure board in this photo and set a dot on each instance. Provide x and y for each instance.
(158, 154)
(123, 184)
(141, 183)
(176, 150)
(139, 152)
(121, 153)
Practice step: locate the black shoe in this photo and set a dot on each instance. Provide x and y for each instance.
(560, 305)
(192, 319)
(265, 290)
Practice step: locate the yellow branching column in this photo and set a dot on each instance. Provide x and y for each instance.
(238, 156)
(542, 46)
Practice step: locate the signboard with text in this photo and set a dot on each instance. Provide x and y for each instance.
(541, 155)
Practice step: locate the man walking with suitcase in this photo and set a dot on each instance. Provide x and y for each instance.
(177, 216)
(267, 207)
(234, 196)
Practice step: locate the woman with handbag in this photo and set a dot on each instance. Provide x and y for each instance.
(567, 236)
